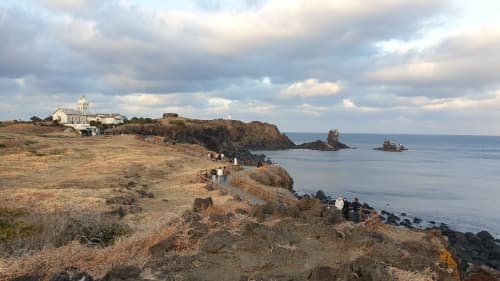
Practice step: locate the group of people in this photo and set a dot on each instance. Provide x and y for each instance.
(220, 157)
(219, 175)
(216, 156)
(344, 205)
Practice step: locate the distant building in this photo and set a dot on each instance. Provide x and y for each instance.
(107, 119)
(81, 115)
(170, 115)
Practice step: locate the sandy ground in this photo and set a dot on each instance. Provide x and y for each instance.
(47, 169)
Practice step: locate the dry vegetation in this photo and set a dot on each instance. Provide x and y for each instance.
(91, 202)
(95, 203)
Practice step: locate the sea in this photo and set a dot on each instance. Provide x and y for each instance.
(442, 178)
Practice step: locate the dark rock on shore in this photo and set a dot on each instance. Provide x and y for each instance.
(472, 250)
(332, 143)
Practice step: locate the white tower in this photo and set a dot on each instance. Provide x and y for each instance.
(83, 105)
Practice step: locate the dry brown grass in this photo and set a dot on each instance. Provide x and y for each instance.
(402, 275)
(131, 250)
(268, 193)
(271, 175)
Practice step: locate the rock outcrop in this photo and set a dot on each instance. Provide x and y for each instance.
(332, 143)
(472, 250)
(391, 147)
(231, 137)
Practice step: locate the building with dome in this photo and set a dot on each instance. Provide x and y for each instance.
(82, 116)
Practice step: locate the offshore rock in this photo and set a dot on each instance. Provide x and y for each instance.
(332, 143)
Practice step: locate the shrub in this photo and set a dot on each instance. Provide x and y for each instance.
(29, 142)
(37, 153)
(35, 119)
(178, 123)
(2, 145)
(22, 232)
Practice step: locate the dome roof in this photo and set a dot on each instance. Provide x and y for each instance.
(83, 99)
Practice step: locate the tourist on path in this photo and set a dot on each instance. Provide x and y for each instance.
(213, 172)
(225, 173)
(219, 175)
(222, 157)
(355, 209)
(339, 203)
(345, 209)
(235, 162)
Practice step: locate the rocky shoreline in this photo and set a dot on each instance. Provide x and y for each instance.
(471, 251)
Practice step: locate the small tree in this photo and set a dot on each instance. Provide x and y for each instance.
(48, 119)
(35, 119)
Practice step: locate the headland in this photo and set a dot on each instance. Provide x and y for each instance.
(120, 207)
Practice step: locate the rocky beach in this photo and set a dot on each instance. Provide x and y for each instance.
(136, 204)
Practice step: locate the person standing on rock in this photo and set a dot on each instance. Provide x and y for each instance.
(345, 209)
(339, 203)
(235, 162)
(222, 157)
(219, 175)
(225, 173)
(213, 172)
(355, 209)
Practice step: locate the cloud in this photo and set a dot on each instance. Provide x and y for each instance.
(349, 104)
(466, 60)
(311, 88)
(258, 59)
(314, 110)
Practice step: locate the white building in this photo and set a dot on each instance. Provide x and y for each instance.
(81, 115)
(107, 119)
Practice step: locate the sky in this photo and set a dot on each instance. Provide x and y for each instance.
(380, 66)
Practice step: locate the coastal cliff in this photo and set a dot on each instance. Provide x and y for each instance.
(231, 137)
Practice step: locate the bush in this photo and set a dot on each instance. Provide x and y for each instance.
(29, 142)
(2, 145)
(35, 119)
(178, 123)
(140, 120)
(22, 232)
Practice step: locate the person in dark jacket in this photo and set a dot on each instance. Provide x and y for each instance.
(355, 210)
(213, 172)
(345, 209)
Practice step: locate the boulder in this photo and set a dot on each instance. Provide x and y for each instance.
(201, 204)
(485, 235)
(121, 200)
(27, 278)
(159, 249)
(72, 274)
(197, 230)
(322, 273)
(123, 273)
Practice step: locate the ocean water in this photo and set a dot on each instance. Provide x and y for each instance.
(449, 179)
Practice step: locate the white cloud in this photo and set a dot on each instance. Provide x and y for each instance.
(311, 88)
(314, 110)
(349, 104)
